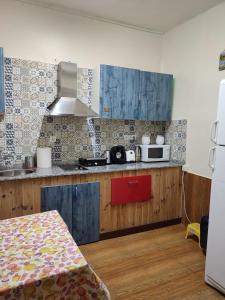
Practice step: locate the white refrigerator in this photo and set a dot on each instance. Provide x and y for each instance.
(215, 255)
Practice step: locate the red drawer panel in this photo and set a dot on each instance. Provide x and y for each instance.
(130, 189)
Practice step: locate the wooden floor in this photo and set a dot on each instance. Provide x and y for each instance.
(158, 264)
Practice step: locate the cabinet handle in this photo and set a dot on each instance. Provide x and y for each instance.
(212, 158)
(107, 109)
(213, 131)
(76, 191)
(133, 182)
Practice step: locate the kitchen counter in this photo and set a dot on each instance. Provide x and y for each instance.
(57, 171)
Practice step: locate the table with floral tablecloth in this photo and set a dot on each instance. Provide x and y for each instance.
(40, 260)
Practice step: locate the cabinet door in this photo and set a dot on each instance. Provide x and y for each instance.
(131, 81)
(119, 92)
(2, 100)
(78, 205)
(58, 198)
(155, 98)
(111, 92)
(86, 212)
(146, 97)
(215, 245)
(130, 189)
(165, 90)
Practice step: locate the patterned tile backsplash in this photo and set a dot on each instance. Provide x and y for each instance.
(31, 86)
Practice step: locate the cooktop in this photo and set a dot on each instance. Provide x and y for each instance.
(72, 167)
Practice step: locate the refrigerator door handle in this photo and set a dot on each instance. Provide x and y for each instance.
(213, 131)
(212, 157)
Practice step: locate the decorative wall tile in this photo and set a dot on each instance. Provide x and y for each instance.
(93, 140)
(175, 135)
(31, 86)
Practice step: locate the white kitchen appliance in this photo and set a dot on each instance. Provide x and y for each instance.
(130, 156)
(145, 139)
(215, 256)
(44, 157)
(153, 153)
(159, 139)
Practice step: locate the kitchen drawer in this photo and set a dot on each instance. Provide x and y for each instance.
(130, 189)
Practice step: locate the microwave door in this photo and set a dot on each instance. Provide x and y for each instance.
(155, 153)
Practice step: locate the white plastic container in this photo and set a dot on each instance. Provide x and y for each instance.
(160, 140)
(44, 157)
(145, 140)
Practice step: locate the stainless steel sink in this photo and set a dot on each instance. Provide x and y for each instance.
(15, 172)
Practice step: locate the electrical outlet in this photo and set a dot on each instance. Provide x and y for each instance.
(132, 138)
(126, 137)
(52, 139)
(129, 138)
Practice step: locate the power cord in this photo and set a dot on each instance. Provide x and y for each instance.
(183, 198)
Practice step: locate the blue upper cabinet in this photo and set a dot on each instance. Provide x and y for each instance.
(133, 94)
(165, 82)
(119, 90)
(2, 96)
(155, 98)
(131, 78)
(146, 96)
(111, 92)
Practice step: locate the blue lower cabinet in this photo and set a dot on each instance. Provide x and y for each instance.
(78, 205)
(58, 198)
(2, 94)
(86, 212)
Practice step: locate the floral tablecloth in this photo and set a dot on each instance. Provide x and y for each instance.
(40, 260)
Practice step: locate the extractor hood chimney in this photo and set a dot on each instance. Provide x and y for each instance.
(66, 102)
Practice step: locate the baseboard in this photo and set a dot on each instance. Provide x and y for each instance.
(132, 230)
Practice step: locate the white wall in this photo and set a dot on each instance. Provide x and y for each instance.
(191, 53)
(32, 32)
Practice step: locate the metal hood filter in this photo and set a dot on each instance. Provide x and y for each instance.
(67, 103)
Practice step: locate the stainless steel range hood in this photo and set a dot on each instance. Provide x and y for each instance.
(67, 103)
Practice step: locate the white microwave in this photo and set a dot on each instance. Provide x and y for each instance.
(152, 153)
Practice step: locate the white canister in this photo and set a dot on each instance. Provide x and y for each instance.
(160, 140)
(44, 157)
(145, 140)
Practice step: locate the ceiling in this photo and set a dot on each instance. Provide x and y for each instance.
(157, 16)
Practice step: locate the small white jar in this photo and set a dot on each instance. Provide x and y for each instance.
(160, 140)
(145, 140)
